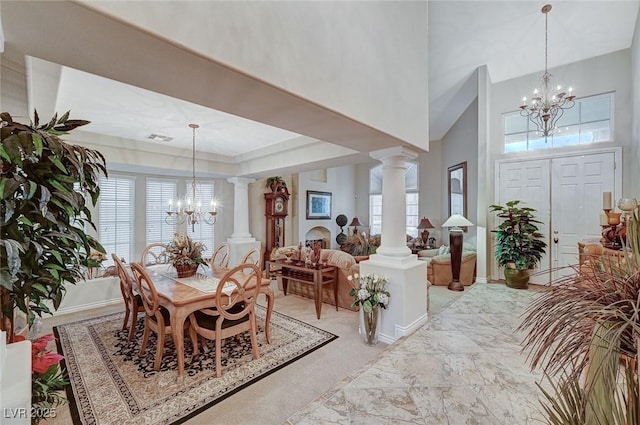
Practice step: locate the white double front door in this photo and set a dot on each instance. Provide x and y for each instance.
(567, 192)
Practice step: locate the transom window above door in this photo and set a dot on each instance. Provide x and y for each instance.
(589, 121)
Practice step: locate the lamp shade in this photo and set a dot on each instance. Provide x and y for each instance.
(457, 220)
(355, 222)
(425, 224)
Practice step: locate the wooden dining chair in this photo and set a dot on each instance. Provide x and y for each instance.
(233, 313)
(157, 318)
(220, 256)
(252, 257)
(154, 253)
(132, 301)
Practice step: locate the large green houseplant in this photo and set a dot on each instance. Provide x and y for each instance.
(45, 187)
(519, 243)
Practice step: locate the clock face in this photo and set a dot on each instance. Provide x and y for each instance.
(279, 205)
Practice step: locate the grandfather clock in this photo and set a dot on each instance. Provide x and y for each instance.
(276, 209)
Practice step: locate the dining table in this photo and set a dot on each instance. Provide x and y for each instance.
(183, 296)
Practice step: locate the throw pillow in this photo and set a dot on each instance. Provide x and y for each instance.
(443, 250)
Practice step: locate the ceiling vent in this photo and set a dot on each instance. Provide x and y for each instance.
(159, 137)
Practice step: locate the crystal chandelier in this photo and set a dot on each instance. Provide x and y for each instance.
(190, 209)
(548, 102)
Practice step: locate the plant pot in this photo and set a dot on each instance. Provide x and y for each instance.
(369, 325)
(517, 279)
(186, 271)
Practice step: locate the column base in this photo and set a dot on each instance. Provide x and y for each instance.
(238, 249)
(407, 285)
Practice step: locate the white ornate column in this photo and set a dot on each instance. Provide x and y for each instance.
(407, 309)
(240, 241)
(394, 203)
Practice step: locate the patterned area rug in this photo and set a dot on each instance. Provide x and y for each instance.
(111, 384)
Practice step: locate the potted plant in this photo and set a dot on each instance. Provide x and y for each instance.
(519, 243)
(584, 332)
(185, 255)
(276, 184)
(45, 187)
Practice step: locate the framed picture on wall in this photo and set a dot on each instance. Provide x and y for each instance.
(458, 190)
(318, 205)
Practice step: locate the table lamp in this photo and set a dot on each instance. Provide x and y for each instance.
(355, 223)
(455, 224)
(424, 225)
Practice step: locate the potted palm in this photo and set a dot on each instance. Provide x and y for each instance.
(276, 184)
(519, 243)
(584, 332)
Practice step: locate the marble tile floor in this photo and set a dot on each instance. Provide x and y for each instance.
(463, 367)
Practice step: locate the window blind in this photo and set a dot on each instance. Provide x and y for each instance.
(116, 217)
(159, 192)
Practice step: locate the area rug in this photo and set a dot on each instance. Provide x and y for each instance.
(111, 384)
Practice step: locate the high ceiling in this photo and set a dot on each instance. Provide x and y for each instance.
(507, 36)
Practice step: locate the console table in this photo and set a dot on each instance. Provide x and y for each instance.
(318, 277)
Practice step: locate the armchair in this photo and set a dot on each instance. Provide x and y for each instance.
(439, 265)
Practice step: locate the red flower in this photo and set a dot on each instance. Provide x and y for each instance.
(41, 343)
(43, 360)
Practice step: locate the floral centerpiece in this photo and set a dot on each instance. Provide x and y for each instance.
(369, 295)
(185, 254)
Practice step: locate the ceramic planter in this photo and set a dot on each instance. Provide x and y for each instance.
(517, 279)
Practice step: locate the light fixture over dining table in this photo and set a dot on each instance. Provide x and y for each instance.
(190, 208)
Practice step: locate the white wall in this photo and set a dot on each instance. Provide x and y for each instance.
(606, 73)
(366, 60)
(632, 189)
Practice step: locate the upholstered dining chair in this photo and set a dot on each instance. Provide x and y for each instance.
(154, 253)
(252, 257)
(220, 256)
(233, 313)
(157, 318)
(132, 301)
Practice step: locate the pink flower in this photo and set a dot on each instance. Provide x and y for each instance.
(41, 343)
(43, 360)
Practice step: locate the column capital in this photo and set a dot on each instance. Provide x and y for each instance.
(240, 180)
(395, 152)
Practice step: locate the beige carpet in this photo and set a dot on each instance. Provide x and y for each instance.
(273, 399)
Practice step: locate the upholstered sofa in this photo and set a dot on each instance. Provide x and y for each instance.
(439, 265)
(346, 265)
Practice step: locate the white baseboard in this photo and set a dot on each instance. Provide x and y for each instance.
(87, 306)
(93, 293)
(404, 330)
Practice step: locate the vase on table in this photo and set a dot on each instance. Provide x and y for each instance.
(369, 325)
(186, 271)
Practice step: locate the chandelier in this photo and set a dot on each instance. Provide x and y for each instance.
(189, 209)
(548, 102)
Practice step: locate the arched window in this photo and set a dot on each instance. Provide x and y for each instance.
(375, 198)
